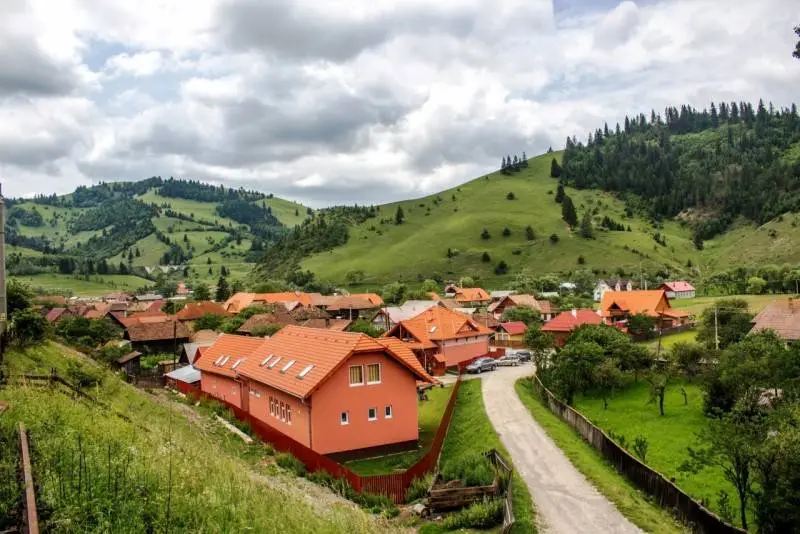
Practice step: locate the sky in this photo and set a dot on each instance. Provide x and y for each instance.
(356, 101)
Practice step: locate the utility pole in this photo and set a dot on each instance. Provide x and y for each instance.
(716, 328)
(3, 299)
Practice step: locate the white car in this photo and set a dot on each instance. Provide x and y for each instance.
(508, 360)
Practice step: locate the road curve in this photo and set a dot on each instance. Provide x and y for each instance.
(565, 501)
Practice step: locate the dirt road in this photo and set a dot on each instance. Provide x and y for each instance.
(565, 501)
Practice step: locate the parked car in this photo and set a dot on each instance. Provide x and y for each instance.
(482, 364)
(523, 355)
(508, 360)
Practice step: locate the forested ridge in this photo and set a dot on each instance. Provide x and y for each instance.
(732, 159)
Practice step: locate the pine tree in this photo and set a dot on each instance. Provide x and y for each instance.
(555, 170)
(486, 258)
(714, 118)
(506, 231)
(485, 234)
(503, 165)
(399, 216)
(568, 212)
(524, 159)
(560, 193)
(530, 235)
(223, 290)
(586, 226)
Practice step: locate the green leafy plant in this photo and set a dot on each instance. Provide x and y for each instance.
(479, 515)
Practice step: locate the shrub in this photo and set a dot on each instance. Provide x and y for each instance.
(554, 238)
(486, 258)
(28, 327)
(506, 231)
(289, 462)
(419, 488)
(479, 515)
(511, 196)
(209, 321)
(640, 447)
(581, 260)
(265, 330)
(485, 234)
(501, 267)
(472, 470)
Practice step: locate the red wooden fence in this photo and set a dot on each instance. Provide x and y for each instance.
(394, 485)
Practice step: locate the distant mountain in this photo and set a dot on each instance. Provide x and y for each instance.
(136, 227)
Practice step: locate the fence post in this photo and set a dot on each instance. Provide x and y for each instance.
(30, 518)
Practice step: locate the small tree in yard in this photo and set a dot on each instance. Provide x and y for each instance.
(209, 321)
(201, 292)
(642, 326)
(607, 378)
(430, 286)
(658, 389)
(541, 345)
(18, 296)
(526, 314)
(573, 368)
(467, 281)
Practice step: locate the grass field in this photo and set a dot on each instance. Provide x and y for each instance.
(629, 413)
(423, 239)
(471, 431)
(671, 339)
(167, 468)
(150, 252)
(430, 415)
(756, 303)
(96, 285)
(635, 505)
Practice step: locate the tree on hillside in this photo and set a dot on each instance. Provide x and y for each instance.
(201, 292)
(568, 212)
(18, 296)
(394, 293)
(399, 216)
(223, 290)
(237, 287)
(524, 159)
(506, 231)
(510, 196)
(467, 281)
(555, 169)
(485, 257)
(554, 238)
(530, 235)
(430, 286)
(501, 268)
(586, 226)
(485, 234)
(560, 194)
(28, 327)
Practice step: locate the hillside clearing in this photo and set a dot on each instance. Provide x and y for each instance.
(95, 285)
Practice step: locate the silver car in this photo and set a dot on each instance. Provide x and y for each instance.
(508, 360)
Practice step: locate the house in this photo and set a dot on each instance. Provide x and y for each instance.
(562, 325)
(157, 336)
(542, 306)
(781, 317)
(334, 392)
(194, 310)
(486, 319)
(148, 297)
(240, 301)
(450, 290)
(389, 316)
(611, 285)
(374, 298)
(617, 307)
(186, 375)
(278, 318)
(680, 289)
(56, 314)
(191, 350)
(442, 338)
(511, 334)
(472, 296)
(499, 295)
(130, 362)
(350, 307)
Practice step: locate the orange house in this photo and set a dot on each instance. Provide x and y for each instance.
(442, 338)
(618, 306)
(472, 296)
(565, 322)
(334, 392)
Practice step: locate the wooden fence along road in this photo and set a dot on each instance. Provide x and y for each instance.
(665, 493)
(393, 485)
(30, 517)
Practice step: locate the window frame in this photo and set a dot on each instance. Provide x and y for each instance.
(350, 376)
(372, 418)
(271, 406)
(344, 418)
(380, 374)
(388, 411)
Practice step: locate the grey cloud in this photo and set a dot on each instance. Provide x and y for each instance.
(26, 69)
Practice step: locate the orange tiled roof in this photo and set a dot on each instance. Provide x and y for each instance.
(633, 302)
(472, 294)
(280, 317)
(195, 310)
(95, 314)
(324, 351)
(439, 324)
(351, 302)
(55, 314)
(161, 331)
(782, 317)
(514, 328)
(203, 336)
(569, 320)
(374, 298)
(234, 347)
(240, 301)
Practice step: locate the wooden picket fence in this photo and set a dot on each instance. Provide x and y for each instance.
(393, 485)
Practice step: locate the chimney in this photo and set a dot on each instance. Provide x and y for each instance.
(574, 313)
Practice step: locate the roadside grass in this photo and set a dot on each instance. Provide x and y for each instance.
(430, 415)
(96, 285)
(631, 502)
(631, 414)
(470, 432)
(195, 464)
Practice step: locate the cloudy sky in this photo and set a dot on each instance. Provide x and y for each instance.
(348, 101)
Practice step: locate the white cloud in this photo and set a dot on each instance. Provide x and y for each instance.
(354, 100)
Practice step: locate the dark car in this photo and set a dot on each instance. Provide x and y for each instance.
(524, 355)
(482, 364)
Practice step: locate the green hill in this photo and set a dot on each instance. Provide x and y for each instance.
(132, 228)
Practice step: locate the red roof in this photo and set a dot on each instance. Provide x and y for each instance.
(634, 302)
(472, 294)
(570, 320)
(195, 310)
(55, 314)
(317, 352)
(781, 317)
(678, 285)
(157, 331)
(514, 328)
(437, 324)
(155, 306)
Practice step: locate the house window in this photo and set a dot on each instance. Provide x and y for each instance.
(374, 373)
(283, 412)
(387, 412)
(344, 418)
(356, 375)
(271, 406)
(288, 414)
(372, 414)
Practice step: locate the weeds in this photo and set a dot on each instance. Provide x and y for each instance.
(289, 462)
(473, 469)
(419, 488)
(479, 515)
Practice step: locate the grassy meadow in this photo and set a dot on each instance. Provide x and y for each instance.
(95, 285)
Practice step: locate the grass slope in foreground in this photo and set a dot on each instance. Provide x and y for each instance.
(419, 246)
(127, 468)
(471, 431)
(629, 501)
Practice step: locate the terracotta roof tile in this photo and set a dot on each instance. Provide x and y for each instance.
(351, 302)
(161, 331)
(374, 298)
(437, 324)
(195, 310)
(633, 302)
(514, 328)
(55, 314)
(678, 285)
(781, 317)
(280, 317)
(230, 346)
(570, 320)
(472, 294)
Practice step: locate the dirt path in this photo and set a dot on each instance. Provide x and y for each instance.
(565, 501)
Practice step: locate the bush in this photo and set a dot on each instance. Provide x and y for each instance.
(288, 461)
(511, 196)
(209, 321)
(28, 327)
(501, 267)
(486, 258)
(265, 330)
(480, 515)
(419, 488)
(485, 234)
(554, 238)
(472, 470)
(506, 231)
